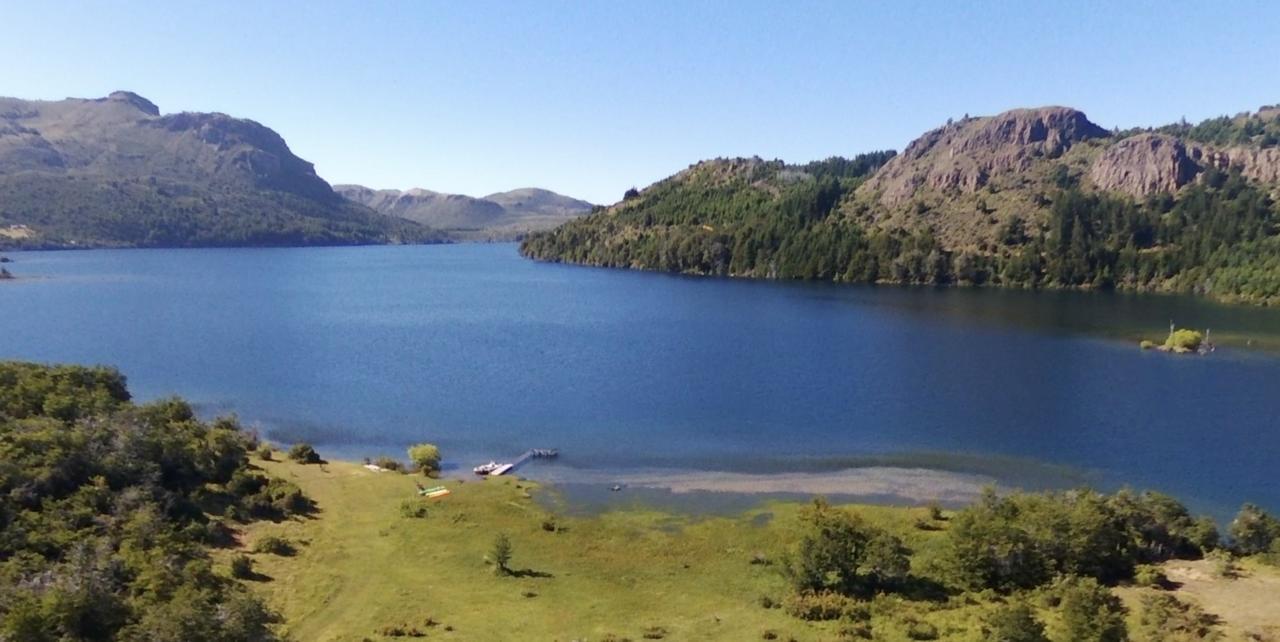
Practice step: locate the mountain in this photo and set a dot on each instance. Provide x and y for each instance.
(501, 216)
(114, 171)
(1029, 198)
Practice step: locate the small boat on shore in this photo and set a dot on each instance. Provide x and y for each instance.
(495, 469)
(486, 469)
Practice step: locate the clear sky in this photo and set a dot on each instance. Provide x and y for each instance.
(589, 98)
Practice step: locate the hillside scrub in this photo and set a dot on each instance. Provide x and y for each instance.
(108, 511)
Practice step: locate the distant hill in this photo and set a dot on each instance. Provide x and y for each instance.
(501, 216)
(115, 172)
(1030, 198)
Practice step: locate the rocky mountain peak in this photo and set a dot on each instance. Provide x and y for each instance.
(963, 155)
(130, 98)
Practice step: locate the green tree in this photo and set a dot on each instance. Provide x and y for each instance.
(1253, 530)
(1014, 622)
(839, 552)
(1089, 612)
(500, 554)
(304, 453)
(426, 457)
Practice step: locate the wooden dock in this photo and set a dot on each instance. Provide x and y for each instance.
(532, 453)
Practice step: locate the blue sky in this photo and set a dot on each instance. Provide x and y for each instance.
(590, 98)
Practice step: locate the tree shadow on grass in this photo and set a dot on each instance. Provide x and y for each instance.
(920, 589)
(255, 576)
(528, 572)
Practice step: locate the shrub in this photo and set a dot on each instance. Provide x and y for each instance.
(1184, 341)
(1224, 564)
(839, 552)
(303, 453)
(1147, 344)
(917, 630)
(500, 554)
(1090, 613)
(1253, 530)
(549, 524)
(1149, 576)
(1165, 618)
(426, 458)
(388, 463)
(654, 633)
(1014, 622)
(265, 452)
(413, 509)
(935, 511)
(241, 567)
(825, 605)
(274, 545)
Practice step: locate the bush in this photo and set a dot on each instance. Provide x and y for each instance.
(1224, 564)
(413, 509)
(1165, 618)
(549, 524)
(1253, 530)
(241, 567)
(500, 554)
(426, 458)
(1014, 622)
(917, 630)
(1090, 613)
(839, 552)
(303, 453)
(1184, 341)
(824, 605)
(265, 452)
(274, 545)
(388, 463)
(1149, 576)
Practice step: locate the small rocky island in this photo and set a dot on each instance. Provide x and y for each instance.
(4, 272)
(1182, 341)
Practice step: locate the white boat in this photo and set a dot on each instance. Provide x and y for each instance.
(485, 469)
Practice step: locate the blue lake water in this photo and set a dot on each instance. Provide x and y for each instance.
(364, 350)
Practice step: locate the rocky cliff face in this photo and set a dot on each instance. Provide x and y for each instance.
(965, 155)
(1146, 164)
(1153, 163)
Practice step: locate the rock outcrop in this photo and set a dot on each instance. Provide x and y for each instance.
(965, 155)
(1146, 164)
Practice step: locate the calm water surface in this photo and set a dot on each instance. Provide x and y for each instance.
(364, 350)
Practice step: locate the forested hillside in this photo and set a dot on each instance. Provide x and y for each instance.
(1029, 198)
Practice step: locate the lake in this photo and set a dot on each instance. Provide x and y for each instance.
(362, 351)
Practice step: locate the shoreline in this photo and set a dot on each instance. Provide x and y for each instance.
(916, 485)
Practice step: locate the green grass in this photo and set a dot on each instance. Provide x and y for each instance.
(362, 565)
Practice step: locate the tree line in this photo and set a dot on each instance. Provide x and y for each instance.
(1216, 237)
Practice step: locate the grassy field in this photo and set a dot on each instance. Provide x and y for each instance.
(361, 567)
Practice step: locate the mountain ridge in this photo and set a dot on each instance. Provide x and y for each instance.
(114, 171)
(497, 217)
